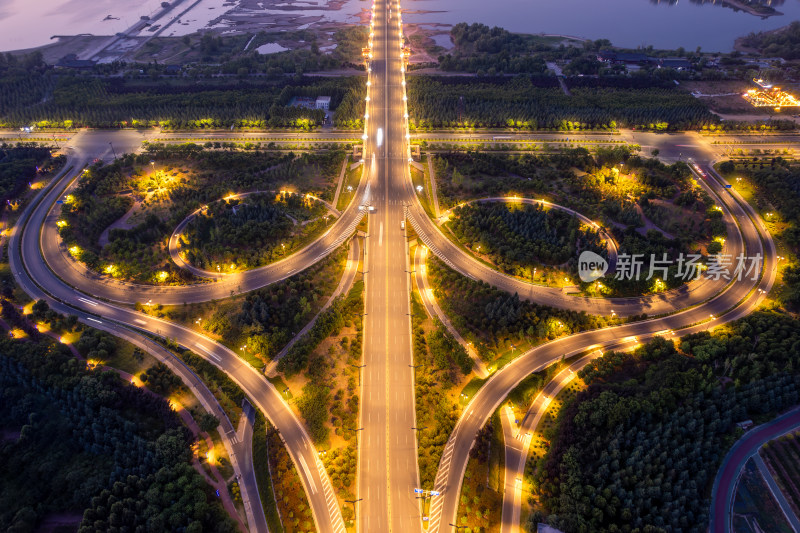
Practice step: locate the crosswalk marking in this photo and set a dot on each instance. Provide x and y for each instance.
(330, 499)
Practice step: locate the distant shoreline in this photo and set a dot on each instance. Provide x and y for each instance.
(740, 47)
(738, 4)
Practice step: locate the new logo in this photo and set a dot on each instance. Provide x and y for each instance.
(591, 266)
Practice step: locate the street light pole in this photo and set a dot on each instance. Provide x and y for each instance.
(354, 506)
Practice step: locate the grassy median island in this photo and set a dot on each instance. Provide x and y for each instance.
(641, 445)
(481, 502)
(319, 377)
(528, 241)
(646, 206)
(501, 325)
(244, 233)
(118, 219)
(438, 379)
(258, 324)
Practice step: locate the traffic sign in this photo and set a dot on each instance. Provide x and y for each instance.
(728, 186)
(418, 491)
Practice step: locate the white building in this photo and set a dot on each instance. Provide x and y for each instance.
(323, 102)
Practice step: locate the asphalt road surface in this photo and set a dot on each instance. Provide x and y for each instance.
(738, 300)
(723, 492)
(388, 471)
(388, 453)
(28, 264)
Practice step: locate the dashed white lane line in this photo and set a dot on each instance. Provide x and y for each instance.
(208, 352)
(308, 475)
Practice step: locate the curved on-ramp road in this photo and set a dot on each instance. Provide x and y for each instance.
(611, 244)
(737, 300)
(722, 494)
(174, 239)
(659, 304)
(29, 263)
(77, 275)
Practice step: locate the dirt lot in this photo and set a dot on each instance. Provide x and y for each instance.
(724, 96)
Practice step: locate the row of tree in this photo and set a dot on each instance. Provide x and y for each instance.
(517, 102)
(80, 101)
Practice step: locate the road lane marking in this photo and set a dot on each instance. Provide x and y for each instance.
(308, 475)
(93, 320)
(140, 321)
(208, 352)
(90, 302)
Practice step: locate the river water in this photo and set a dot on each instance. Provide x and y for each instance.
(628, 23)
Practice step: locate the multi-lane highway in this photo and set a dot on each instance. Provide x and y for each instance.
(388, 471)
(388, 453)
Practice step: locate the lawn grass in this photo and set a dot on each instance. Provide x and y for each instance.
(470, 389)
(263, 475)
(351, 179)
(128, 359)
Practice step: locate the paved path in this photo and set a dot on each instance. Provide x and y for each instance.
(434, 193)
(121, 223)
(722, 494)
(341, 181)
(777, 493)
(433, 309)
(348, 277)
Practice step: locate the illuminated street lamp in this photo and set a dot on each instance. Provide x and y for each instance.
(419, 189)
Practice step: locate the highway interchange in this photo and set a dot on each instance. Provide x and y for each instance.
(388, 472)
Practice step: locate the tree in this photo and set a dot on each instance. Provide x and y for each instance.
(208, 422)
